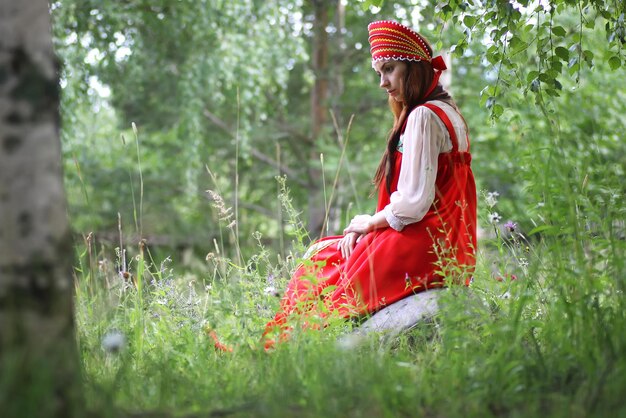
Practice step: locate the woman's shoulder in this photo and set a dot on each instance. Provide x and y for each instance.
(423, 111)
(424, 115)
(451, 112)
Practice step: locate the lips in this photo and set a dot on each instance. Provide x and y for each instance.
(391, 92)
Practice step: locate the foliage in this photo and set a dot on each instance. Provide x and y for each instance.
(528, 338)
(543, 95)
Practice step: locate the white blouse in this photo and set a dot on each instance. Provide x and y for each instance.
(424, 138)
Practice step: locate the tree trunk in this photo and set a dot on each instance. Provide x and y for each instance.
(38, 354)
(319, 111)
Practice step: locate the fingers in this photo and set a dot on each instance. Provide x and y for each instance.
(360, 224)
(351, 243)
(347, 243)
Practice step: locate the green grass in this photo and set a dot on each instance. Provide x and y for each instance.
(550, 343)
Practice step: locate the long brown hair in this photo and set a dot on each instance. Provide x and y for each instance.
(418, 78)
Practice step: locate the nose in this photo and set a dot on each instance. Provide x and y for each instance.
(383, 81)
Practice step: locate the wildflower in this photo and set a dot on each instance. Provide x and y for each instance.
(219, 346)
(510, 226)
(114, 341)
(492, 199)
(407, 279)
(270, 279)
(271, 290)
(523, 262)
(507, 276)
(494, 217)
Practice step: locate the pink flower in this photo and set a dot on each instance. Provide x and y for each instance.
(510, 226)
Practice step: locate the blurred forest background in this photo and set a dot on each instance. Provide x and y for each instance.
(227, 95)
(206, 142)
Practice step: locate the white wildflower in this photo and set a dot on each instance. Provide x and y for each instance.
(492, 199)
(270, 290)
(494, 218)
(114, 341)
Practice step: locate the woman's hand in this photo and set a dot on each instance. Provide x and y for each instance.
(361, 224)
(347, 243)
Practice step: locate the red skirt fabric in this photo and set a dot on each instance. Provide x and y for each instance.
(387, 265)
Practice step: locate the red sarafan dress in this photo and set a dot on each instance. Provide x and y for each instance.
(389, 265)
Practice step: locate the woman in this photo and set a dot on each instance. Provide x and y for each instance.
(423, 232)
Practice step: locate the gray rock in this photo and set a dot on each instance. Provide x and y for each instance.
(396, 318)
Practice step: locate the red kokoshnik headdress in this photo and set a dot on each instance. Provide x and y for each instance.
(391, 40)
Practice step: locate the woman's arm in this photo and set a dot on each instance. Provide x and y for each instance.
(424, 138)
(364, 224)
(360, 226)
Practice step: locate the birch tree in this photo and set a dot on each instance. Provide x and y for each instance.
(38, 356)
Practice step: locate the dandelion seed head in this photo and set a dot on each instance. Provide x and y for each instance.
(113, 341)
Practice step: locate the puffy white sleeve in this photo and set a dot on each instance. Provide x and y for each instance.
(424, 138)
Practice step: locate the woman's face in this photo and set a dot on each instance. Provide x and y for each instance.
(392, 75)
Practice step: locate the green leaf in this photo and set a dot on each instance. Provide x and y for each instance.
(556, 66)
(558, 31)
(615, 62)
(574, 68)
(552, 73)
(497, 111)
(532, 75)
(517, 44)
(469, 20)
(562, 53)
(328, 290)
(542, 228)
